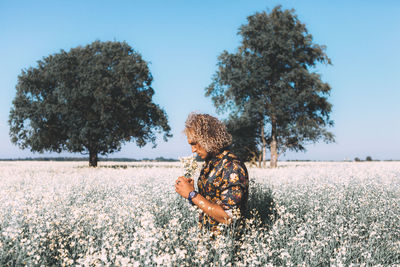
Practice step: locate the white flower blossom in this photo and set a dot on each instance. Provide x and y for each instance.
(189, 165)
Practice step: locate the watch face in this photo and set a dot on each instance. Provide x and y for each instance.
(192, 194)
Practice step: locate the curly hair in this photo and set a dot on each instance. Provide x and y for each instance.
(208, 132)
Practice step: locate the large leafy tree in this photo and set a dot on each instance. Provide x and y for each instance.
(91, 100)
(271, 81)
(244, 138)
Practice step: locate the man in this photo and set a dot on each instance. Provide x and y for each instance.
(223, 183)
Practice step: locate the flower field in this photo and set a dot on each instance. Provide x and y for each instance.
(128, 214)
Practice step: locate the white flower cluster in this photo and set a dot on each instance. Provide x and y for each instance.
(326, 214)
(189, 165)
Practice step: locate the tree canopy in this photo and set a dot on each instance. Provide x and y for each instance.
(244, 138)
(90, 99)
(271, 83)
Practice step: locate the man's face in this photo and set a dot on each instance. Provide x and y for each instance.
(197, 148)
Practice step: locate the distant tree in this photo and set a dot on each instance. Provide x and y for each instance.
(357, 159)
(271, 82)
(368, 158)
(91, 100)
(162, 159)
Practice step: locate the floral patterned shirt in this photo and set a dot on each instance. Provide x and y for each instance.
(223, 180)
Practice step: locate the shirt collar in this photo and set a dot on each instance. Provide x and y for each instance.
(213, 159)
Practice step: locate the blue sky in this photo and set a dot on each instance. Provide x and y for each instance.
(182, 40)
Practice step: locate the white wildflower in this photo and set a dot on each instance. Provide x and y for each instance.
(189, 165)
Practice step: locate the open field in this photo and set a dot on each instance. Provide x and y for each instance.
(128, 214)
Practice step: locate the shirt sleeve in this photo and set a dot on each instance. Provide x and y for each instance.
(233, 186)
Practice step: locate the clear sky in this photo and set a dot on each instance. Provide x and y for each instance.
(182, 40)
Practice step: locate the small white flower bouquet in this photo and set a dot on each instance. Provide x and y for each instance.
(189, 165)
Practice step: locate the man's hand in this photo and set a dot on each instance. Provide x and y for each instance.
(183, 186)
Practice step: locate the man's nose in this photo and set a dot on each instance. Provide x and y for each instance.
(193, 149)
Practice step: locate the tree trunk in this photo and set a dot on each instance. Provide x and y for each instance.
(274, 149)
(92, 158)
(264, 144)
(274, 153)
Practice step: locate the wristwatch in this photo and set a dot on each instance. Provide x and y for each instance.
(191, 196)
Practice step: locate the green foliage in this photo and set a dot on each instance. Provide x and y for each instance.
(244, 138)
(91, 100)
(368, 158)
(270, 81)
(357, 159)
